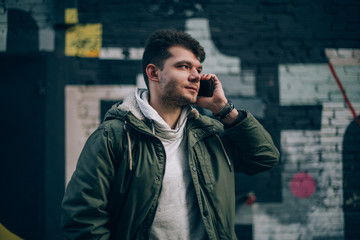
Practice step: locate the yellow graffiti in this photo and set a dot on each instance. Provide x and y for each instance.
(71, 16)
(6, 234)
(84, 40)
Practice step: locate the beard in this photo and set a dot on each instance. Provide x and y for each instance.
(173, 96)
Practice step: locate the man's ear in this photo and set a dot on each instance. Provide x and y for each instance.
(152, 72)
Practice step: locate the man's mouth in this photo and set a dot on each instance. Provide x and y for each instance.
(193, 89)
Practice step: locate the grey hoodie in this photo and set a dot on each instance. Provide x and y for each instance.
(177, 215)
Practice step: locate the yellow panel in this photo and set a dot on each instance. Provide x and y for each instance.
(71, 16)
(6, 234)
(84, 40)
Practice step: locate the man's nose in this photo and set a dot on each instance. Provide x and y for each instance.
(194, 76)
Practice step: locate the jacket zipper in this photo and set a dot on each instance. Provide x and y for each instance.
(146, 220)
(129, 146)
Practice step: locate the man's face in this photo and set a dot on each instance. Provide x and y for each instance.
(179, 80)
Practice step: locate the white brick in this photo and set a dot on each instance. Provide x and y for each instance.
(328, 131)
(333, 106)
(328, 113)
(342, 123)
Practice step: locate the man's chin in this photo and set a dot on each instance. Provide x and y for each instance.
(193, 101)
(190, 100)
(180, 100)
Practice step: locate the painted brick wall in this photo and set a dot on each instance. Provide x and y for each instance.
(272, 57)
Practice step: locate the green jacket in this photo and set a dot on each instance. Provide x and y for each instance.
(114, 191)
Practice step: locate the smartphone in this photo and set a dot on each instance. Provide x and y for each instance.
(206, 88)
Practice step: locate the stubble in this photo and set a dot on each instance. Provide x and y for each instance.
(172, 96)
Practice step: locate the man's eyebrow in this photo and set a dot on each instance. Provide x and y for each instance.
(188, 63)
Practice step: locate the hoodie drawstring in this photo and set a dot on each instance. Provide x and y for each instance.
(129, 146)
(153, 127)
(224, 150)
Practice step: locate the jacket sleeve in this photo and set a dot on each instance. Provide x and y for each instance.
(253, 150)
(84, 214)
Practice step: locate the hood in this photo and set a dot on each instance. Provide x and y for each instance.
(130, 105)
(119, 110)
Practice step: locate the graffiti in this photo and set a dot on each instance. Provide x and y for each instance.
(302, 185)
(318, 152)
(348, 103)
(71, 16)
(83, 40)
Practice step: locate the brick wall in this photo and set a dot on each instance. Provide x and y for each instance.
(272, 57)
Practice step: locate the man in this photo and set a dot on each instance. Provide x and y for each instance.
(156, 168)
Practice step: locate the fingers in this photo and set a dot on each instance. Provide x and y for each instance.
(218, 100)
(217, 83)
(208, 76)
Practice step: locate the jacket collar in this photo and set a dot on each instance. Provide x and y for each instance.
(129, 111)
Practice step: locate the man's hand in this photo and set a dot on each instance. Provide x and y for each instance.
(217, 101)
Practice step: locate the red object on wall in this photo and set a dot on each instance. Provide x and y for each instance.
(302, 185)
(251, 199)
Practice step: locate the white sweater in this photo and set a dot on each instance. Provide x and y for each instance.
(178, 215)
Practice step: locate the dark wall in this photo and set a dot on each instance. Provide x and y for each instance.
(22, 145)
(22, 96)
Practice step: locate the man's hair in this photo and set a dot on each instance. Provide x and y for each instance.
(158, 43)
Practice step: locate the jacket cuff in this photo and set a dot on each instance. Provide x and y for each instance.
(242, 115)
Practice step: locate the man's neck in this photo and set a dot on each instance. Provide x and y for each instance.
(169, 113)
